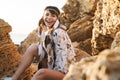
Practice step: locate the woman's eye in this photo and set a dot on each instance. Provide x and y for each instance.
(47, 14)
(53, 15)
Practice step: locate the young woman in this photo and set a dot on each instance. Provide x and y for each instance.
(55, 43)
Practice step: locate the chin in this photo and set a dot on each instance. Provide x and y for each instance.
(49, 26)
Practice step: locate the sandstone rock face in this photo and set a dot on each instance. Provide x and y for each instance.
(76, 9)
(105, 66)
(116, 41)
(80, 54)
(9, 55)
(106, 24)
(71, 12)
(80, 31)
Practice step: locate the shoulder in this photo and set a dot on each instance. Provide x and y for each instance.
(60, 31)
(61, 28)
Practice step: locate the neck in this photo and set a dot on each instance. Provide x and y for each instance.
(49, 28)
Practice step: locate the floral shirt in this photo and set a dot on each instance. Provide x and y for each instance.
(61, 53)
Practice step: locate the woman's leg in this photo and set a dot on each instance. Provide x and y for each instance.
(47, 74)
(27, 59)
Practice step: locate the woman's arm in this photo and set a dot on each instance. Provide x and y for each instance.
(63, 49)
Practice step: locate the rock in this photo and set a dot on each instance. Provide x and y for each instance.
(116, 41)
(105, 66)
(80, 54)
(106, 24)
(9, 55)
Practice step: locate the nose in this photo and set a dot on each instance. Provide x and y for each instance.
(49, 17)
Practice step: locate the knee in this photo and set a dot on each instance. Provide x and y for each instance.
(39, 75)
(41, 72)
(32, 49)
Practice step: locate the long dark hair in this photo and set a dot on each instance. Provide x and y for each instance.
(53, 10)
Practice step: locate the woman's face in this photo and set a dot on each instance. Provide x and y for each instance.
(49, 18)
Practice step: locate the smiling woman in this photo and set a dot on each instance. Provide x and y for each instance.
(24, 14)
(55, 46)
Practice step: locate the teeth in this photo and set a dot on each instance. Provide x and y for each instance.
(49, 22)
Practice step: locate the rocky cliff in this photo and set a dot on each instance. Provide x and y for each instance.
(106, 24)
(105, 44)
(105, 66)
(9, 55)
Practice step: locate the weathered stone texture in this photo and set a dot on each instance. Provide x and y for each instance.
(81, 29)
(9, 55)
(80, 54)
(76, 9)
(116, 41)
(106, 24)
(105, 66)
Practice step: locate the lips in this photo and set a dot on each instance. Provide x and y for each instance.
(49, 23)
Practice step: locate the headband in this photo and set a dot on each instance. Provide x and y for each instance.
(54, 11)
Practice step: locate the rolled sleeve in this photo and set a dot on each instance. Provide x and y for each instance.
(63, 49)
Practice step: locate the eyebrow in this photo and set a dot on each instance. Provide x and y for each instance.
(50, 13)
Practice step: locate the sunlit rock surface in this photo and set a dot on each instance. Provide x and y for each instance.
(105, 66)
(80, 54)
(116, 41)
(76, 9)
(106, 24)
(9, 55)
(80, 31)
